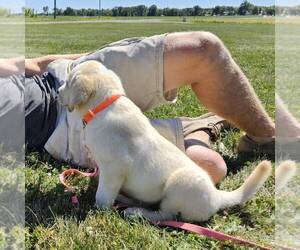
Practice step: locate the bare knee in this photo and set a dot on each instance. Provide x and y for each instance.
(209, 160)
(209, 48)
(207, 40)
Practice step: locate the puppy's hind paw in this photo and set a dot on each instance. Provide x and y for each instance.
(133, 212)
(136, 212)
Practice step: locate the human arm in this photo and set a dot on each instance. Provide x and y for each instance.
(11, 66)
(38, 66)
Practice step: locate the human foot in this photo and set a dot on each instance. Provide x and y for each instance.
(257, 145)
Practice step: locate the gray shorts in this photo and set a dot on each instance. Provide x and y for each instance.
(138, 62)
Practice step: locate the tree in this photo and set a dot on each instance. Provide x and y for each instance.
(4, 12)
(186, 12)
(152, 11)
(231, 11)
(141, 10)
(245, 8)
(69, 12)
(46, 10)
(126, 11)
(59, 11)
(28, 12)
(120, 11)
(197, 11)
(217, 11)
(270, 10)
(115, 11)
(255, 11)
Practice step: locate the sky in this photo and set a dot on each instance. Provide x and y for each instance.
(16, 5)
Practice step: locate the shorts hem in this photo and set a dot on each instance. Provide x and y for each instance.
(169, 96)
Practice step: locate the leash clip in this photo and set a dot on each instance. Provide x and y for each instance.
(84, 123)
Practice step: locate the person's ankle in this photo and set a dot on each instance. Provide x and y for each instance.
(201, 135)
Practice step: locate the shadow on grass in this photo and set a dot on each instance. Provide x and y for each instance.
(44, 204)
(237, 162)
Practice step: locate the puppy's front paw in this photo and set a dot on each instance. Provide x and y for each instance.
(103, 204)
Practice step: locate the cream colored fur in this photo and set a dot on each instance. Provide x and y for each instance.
(284, 172)
(135, 159)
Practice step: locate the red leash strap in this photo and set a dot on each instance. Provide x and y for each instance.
(71, 171)
(285, 248)
(209, 233)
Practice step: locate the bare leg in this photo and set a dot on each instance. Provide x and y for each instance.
(208, 159)
(206, 65)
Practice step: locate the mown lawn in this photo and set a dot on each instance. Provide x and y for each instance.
(287, 86)
(53, 223)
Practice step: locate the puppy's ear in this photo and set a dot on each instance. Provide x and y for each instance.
(82, 88)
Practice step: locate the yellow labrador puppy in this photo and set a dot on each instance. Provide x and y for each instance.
(137, 160)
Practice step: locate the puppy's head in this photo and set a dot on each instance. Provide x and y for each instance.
(85, 81)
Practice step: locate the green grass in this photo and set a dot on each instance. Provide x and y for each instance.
(287, 86)
(287, 66)
(287, 228)
(12, 193)
(12, 41)
(53, 223)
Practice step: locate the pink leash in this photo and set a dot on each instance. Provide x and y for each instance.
(209, 233)
(176, 224)
(71, 171)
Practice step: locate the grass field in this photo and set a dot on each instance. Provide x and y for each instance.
(287, 86)
(53, 223)
(12, 41)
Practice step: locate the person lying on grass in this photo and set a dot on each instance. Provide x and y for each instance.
(152, 69)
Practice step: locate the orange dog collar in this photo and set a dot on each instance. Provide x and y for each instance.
(91, 114)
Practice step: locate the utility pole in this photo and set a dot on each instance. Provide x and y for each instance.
(99, 14)
(54, 9)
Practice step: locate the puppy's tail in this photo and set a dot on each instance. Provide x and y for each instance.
(283, 173)
(249, 188)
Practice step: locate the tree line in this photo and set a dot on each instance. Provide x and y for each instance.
(245, 8)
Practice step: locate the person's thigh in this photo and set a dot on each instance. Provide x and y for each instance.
(191, 54)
